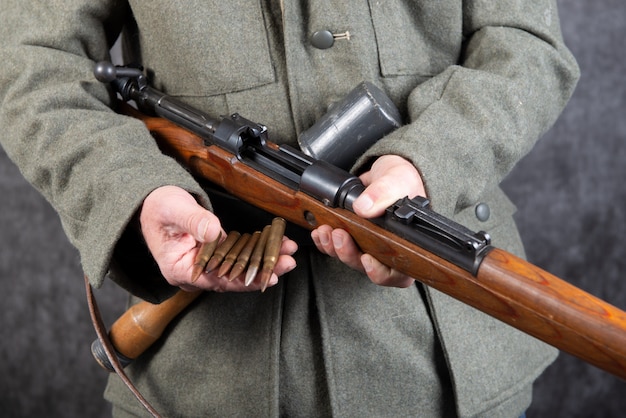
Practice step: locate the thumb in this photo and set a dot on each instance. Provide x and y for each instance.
(174, 209)
(390, 178)
(203, 225)
(373, 201)
(195, 220)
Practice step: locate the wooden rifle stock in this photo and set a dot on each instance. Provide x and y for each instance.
(505, 286)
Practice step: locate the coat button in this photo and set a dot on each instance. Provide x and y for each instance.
(482, 212)
(322, 39)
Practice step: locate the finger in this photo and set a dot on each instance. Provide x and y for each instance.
(366, 178)
(203, 225)
(188, 288)
(288, 246)
(257, 284)
(346, 249)
(212, 283)
(390, 178)
(377, 197)
(171, 211)
(284, 264)
(383, 275)
(322, 238)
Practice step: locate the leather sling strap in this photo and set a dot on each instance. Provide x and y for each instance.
(103, 336)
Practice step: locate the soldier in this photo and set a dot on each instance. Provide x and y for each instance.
(477, 83)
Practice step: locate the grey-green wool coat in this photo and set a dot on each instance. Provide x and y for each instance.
(477, 81)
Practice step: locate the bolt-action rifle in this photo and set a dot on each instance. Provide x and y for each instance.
(235, 154)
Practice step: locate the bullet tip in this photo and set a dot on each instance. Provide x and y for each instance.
(266, 274)
(250, 275)
(196, 272)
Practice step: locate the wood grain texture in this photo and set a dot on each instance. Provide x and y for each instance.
(506, 287)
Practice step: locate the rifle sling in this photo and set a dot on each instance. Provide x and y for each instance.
(103, 336)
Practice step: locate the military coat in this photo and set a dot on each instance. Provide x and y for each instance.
(477, 83)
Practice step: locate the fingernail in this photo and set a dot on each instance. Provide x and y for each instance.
(203, 226)
(337, 241)
(323, 238)
(290, 267)
(364, 203)
(273, 281)
(367, 263)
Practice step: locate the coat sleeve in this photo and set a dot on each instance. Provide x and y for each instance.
(95, 167)
(469, 125)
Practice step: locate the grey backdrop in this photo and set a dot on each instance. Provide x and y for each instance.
(571, 200)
